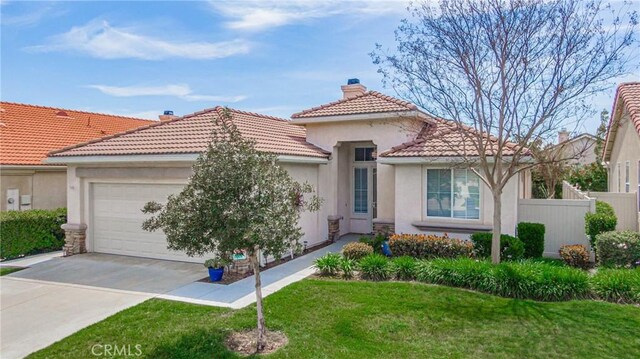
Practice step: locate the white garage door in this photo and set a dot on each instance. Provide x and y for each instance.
(117, 220)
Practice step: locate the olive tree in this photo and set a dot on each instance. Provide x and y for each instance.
(507, 72)
(237, 199)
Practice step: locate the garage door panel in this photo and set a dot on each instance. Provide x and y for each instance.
(117, 220)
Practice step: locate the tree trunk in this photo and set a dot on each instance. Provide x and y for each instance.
(497, 227)
(261, 340)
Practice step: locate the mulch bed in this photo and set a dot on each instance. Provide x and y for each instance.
(229, 278)
(244, 342)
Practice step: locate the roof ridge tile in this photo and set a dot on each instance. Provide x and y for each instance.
(79, 111)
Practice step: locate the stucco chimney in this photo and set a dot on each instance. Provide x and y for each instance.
(563, 135)
(166, 116)
(353, 88)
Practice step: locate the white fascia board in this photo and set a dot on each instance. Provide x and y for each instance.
(302, 159)
(361, 117)
(32, 167)
(183, 157)
(437, 160)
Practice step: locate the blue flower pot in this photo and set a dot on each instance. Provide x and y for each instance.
(215, 274)
(386, 250)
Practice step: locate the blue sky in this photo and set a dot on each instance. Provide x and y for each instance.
(140, 58)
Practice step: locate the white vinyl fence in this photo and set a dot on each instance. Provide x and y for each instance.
(624, 204)
(563, 220)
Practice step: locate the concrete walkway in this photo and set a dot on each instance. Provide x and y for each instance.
(31, 260)
(242, 292)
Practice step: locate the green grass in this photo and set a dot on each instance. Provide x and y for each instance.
(339, 319)
(7, 270)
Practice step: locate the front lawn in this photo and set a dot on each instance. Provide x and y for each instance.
(7, 270)
(338, 319)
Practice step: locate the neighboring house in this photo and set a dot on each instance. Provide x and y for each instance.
(28, 133)
(622, 146)
(581, 149)
(377, 161)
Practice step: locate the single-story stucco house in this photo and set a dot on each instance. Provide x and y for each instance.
(622, 147)
(580, 149)
(377, 161)
(28, 133)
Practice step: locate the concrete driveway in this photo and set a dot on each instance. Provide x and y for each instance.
(116, 272)
(55, 298)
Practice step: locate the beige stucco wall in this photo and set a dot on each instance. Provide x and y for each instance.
(80, 180)
(581, 151)
(339, 138)
(625, 148)
(411, 207)
(46, 187)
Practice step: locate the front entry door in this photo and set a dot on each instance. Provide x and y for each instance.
(363, 191)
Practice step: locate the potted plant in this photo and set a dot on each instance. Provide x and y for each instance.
(216, 267)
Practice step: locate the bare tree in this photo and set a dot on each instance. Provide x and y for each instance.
(508, 72)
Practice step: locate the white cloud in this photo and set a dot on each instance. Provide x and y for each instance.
(181, 91)
(33, 15)
(101, 40)
(254, 15)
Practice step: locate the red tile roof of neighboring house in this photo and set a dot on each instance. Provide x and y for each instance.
(192, 134)
(627, 95)
(368, 102)
(29, 132)
(445, 139)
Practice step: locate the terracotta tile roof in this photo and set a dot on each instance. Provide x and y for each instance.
(192, 133)
(627, 95)
(29, 132)
(368, 102)
(444, 139)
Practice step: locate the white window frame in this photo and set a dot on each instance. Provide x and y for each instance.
(618, 176)
(627, 174)
(451, 219)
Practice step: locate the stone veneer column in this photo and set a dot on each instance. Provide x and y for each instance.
(383, 226)
(74, 237)
(334, 227)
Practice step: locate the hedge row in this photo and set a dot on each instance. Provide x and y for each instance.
(525, 279)
(33, 231)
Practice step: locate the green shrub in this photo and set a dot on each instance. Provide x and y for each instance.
(605, 208)
(521, 279)
(375, 267)
(618, 249)
(404, 268)
(532, 236)
(575, 255)
(429, 246)
(617, 285)
(603, 220)
(329, 264)
(347, 266)
(511, 248)
(375, 242)
(356, 250)
(32, 231)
